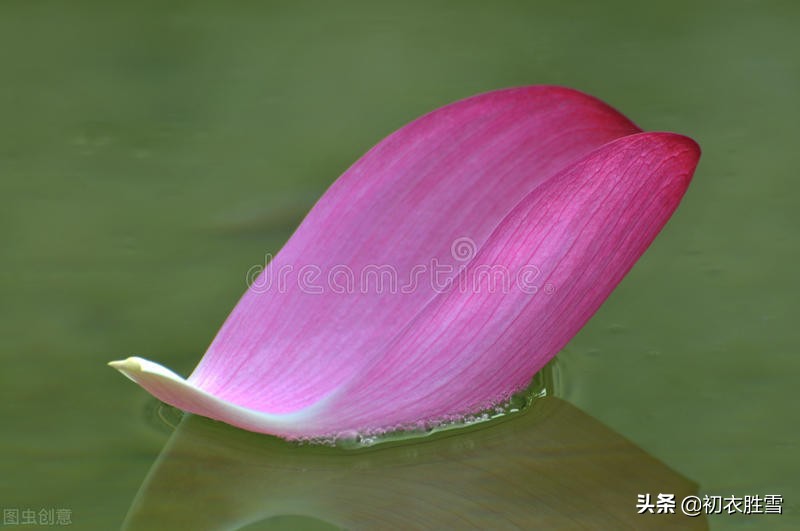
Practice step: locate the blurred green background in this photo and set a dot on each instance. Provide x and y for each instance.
(151, 152)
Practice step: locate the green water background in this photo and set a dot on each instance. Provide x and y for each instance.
(151, 152)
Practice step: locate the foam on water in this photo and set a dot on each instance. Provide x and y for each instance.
(165, 418)
(542, 385)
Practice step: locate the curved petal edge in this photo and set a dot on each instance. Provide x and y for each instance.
(175, 390)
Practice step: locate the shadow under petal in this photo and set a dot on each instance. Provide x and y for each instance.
(551, 466)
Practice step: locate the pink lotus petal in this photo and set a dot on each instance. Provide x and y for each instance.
(292, 362)
(472, 348)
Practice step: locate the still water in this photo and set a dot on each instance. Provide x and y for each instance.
(151, 153)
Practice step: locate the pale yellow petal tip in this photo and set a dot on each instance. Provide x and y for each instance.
(136, 368)
(130, 364)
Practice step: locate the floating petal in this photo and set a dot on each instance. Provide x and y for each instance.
(540, 180)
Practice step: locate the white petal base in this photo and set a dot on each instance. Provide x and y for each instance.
(175, 390)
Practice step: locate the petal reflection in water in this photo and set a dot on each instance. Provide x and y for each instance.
(550, 467)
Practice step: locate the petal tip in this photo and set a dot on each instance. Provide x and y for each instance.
(135, 366)
(128, 367)
(686, 143)
(129, 364)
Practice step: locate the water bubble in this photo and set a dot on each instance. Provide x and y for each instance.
(348, 439)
